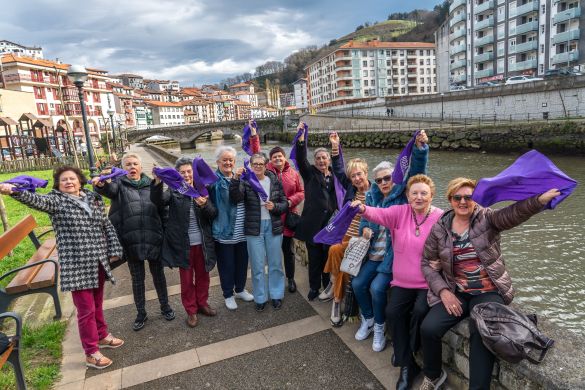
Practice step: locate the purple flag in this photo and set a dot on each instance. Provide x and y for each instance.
(246, 138)
(334, 232)
(293, 151)
(531, 174)
(403, 161)
(203, 175)
(26, 183)
(339, 189)
(251, 178)
(175, 181)
(116, 172)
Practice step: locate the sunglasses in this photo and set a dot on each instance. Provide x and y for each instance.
(457, 198)
(387, 179)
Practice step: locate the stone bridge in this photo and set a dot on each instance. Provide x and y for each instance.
(187, 135)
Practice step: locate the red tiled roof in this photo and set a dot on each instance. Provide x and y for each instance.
(375, 44)
(156, 103)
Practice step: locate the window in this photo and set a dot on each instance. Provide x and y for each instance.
(365, 73)
(371, 73)
(365, 83)
(365, 63)
(373, 83)
(372, 63)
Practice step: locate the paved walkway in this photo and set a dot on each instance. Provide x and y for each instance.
(291, 348)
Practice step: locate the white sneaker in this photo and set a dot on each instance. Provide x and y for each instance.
(379, 342)
(230, 303)
(365, 329)
(336, 314)
(327, 294)
(245, 296)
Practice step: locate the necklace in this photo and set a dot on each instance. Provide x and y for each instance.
(417, 230)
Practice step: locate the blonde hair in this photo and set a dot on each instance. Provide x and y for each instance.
(356, 163)
(455, 184)
(421, 179)
(131, 155)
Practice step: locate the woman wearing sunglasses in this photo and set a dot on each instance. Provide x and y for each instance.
(463, 265)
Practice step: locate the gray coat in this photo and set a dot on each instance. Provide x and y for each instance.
(83, 241)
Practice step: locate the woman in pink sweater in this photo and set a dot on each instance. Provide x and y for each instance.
(409, 225)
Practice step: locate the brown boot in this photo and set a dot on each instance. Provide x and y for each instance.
(207, 311)
(192, 320)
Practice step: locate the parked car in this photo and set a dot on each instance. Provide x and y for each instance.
(488, 84)
(522, 79)
(457, 88)
(561, 72)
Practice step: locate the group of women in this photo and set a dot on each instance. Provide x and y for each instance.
(437, 265)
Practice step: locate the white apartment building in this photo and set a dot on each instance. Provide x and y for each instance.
(491, 40)
(20, 50)
(166, 113)
(301, 94)
(364, 70)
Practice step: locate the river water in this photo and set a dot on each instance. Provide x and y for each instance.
(545, 256)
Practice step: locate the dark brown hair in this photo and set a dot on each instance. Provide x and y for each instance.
(66, 168)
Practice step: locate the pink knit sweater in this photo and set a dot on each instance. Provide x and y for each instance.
(408, 248)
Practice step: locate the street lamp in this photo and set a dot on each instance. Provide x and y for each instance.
(78, 75)
(111, 114)
(442, 111)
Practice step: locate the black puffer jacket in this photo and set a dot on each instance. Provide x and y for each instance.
(137, 220)
(241, 190)
(175, 249)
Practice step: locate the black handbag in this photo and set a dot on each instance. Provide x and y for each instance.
(291, 220)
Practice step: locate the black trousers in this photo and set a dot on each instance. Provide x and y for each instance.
(438, 322)
(317, 258)
(405, 312)
(232, 266)
(137, 272)
(289, 257)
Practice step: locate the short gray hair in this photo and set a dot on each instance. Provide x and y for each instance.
(319, 150)
(222, 149)
(131, 155)
(382, 166)
(183, 161)
(259, 155)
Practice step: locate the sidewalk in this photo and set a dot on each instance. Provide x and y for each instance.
(291, 348)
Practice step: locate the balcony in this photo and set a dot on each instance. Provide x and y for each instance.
(566, 36)
(571, 13)
(484, 73)
(565, 57)
(523, 47)
(486, 5)
(457, 64)
(484, 41)
(524, 9)
(457, 18)
(457, 49)
(523, 65)
(524, 28)
(459, 78)
(457, 34)
(486, 23)
(456, 4)
(484, 57)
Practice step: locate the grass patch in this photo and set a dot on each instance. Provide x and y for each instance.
(41, 352)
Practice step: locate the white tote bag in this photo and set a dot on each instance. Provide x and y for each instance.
(356, 250)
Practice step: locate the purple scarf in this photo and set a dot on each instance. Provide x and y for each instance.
(531, 174)
(175, 181)
(293, 151)
(26, 183)
(333, 233)
(203, 176)
(403, 161)
(339, 189)
(250, 177)
(116, 172)
(246, 138)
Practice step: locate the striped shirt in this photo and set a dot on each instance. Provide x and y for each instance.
(354, 227)
(378, 247)
(238, 235)
(194, 231)
(470, 275)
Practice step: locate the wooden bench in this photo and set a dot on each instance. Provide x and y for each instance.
(39, 275)
(12, 353)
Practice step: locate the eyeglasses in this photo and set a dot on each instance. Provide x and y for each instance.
(457, 198)
(386, 179)
(258, 165)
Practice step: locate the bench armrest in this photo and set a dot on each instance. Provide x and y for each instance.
(17, 319)
(42, 234)
(30, 266)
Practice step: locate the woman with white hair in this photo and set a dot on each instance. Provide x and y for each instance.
(228, 232)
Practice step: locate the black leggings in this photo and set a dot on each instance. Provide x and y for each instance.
(289, 257)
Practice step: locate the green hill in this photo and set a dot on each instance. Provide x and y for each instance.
(387, 30)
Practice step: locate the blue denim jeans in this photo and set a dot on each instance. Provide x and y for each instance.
(262, 249)
(370, 288)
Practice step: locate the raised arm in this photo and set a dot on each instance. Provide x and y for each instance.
(109, 189)
(157, 196)
(302, 162)
(381, 216)
(519, 212)
(47, 203)
(237, 190)
(337, 161)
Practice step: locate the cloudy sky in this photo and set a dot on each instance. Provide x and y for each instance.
(193, 41)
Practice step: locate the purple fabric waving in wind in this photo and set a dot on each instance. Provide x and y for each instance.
(531, 174)
(251, 178)
(293, 151)
(339, 189)
(173, 179)
(246, 138)
(26, 183)
(116, 172)
(333, 233)
(203, 175)
(403, 161)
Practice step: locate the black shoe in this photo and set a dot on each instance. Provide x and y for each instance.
(260, 306)
(292, 286)
(276, 304)
(169, 315)
(407, 376)
(139, 322)
(312, 294)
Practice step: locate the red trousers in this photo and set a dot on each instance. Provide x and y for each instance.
(194, 281)
(90, 315)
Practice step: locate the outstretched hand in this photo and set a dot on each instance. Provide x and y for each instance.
(421, 139)
(6, 188)
(358, 203)
(548, 196)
